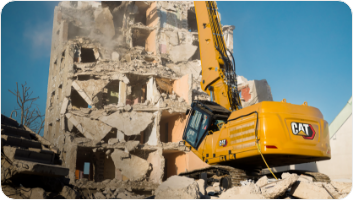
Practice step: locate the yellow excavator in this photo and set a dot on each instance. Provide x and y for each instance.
(237, 142)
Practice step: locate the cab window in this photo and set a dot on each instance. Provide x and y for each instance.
(197, 127)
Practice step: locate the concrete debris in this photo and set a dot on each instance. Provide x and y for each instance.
(92, 87)
(304, 190)
(68, 193)
(331, 190)
(342, 187)
(277, 189)
(35, 193)
(91, 129)
(99, 195)
(202, 186)
(262, 181)
(177, 187)
(126, 122)
(255, 91)
(131, 145)
(182, 52)
(131, 166)
(306, 179)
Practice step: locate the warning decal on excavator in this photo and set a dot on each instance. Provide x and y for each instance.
(302, 129)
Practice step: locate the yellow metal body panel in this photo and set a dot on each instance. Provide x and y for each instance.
(273, 121)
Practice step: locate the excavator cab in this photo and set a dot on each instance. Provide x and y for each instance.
(205, 117)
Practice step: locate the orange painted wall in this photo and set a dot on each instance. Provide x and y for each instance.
(151, 21)
(176, 125)
(175, 163)
(181, 87)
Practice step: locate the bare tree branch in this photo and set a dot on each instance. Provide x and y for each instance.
(31, 117)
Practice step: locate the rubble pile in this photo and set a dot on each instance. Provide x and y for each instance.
(31, 165)
(289, 186)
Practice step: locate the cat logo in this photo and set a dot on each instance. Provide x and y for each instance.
(305, 130)
(223, 143)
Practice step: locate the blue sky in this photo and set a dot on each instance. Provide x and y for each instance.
(303, 49)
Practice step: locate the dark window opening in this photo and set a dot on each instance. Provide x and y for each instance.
(111, 93)
(83, 77)
(111, 134)
(52, 99)
(87, 55)
(139, 37)
(60, 92)
(192, 23)
(55, 64)
(85, 164)
(76, 132)
(77, 101)
(141, 15)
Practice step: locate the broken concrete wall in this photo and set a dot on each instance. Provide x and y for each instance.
(115, 67)
(254, 91)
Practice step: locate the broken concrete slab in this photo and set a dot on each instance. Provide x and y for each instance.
(182, 52)
(120, 77)
(82, 93)
(156, 159)
(128, 123)
(202, 186)
(278, 188)
(256, 91)
(304, 190)
(342, 187)
(33, 193)
(91, 129)
(64, 106)
(262, 181)
(306, 179)
(331, 190)
(99, 195)
(68, 193)
(178, 187)
(131, 166)
(131, 145)
(92, 87)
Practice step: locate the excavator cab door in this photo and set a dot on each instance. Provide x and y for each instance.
(202, 115)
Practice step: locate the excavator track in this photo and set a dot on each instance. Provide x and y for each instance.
(215, 173)
(318, 177)
(219, 171)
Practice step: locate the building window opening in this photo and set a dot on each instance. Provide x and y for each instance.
(77, 101)
(87, 55)
(52, 99)
(111, 93)
(139, 36)
(164, 85)
(140, 16)
(192, 23)
(85, 164)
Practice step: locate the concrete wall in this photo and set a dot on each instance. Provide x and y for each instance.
(340, 165)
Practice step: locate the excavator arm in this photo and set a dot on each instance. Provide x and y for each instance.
(218, 71)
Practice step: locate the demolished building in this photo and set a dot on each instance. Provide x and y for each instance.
(121, 77)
